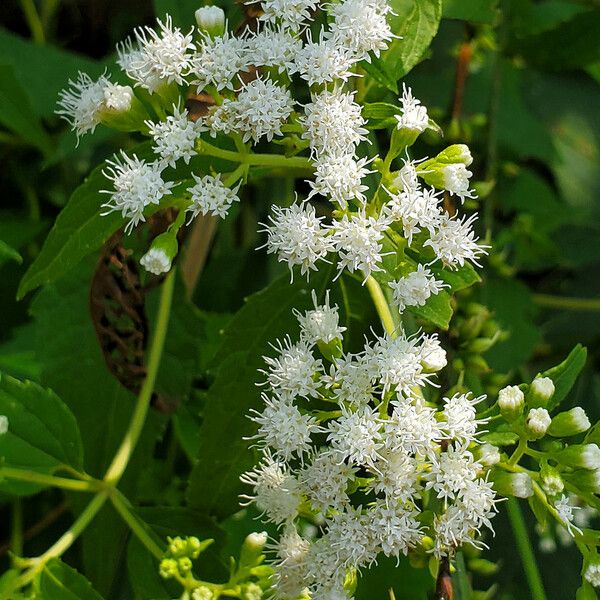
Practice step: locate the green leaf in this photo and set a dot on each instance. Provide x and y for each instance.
(58, 581)
(17, 114)
(565, 374)
(8, 253)
(214, 483)
(500, 438)
(73, 365)
(416, 21)
(380, 114)
(42, 433)
(476, 11)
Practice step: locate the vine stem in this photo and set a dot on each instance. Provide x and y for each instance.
(59, 482)
(530, 567)
(121, 459)
(576, 304)
(381, 305)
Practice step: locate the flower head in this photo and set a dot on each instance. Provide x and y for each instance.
(289, 14)
(210, 196)
(416, 288)
(156, 261)
(321, 324)
(413, 115)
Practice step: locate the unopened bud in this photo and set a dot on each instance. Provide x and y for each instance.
(540, 392)
(512, 484)
(121, 110)
(551, 481)
(252, 549)
(580, 456)
(511, 401)
(433, 356)
(211, 19)
(163, 250)
(251, 591)
(202, 593)
(488, 455)
(592, 570)
(185, 565)
(168, 568)
(587, 481)
(538, 421)
(456, 153)
(570, 422)
(177, 546)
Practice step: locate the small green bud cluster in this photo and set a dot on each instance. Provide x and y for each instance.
(177, 562)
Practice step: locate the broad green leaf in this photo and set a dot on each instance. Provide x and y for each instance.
(17, 355)
(380, 114)
(73, 365)
(17, 114)
(477, 11)
(565, 374)
(416, 22)
(42, 433)
(59, 581)
(9, 253)
(214, 484)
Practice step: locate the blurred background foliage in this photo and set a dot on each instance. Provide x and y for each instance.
(518, 80)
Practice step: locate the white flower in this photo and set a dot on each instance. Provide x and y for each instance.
(542, 388)
(451, 530)
(399, 363)
(175, 137)
(350, 535)
(137, 184)
(217, 61)
(361, 27)
(339, 177)
(321, 324)
(407, 179)
(478, 502)
(454, 242)
(274, 48)
(290, 566)
(333, 123)
(81, 105)
(275, 489)
(412, 428)
(324, 482)
(416, 209)
(510, 398)
(290, 14)
(592, 574)
(414, 115)
(457, 179)
(223, 118)
(397, 474)
(323, 61)
(297, 236)
(156, 261)
(157, 58)
(351, 379)
(415, 288)
(396, 528)
(293, 371)
(356, 436)
(118, 98)
(262, 108)
(451, 471)
(460, 417)
(433, 356)
(565, 514)
(210, 196)
(538, 421)
(325, 568)
(357, 240)
(3, 424)
(283, 428)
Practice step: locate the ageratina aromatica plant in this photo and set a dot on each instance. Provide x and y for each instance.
(378, 445)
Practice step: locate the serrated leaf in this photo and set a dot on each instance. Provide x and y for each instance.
(42, 433)
(214, 483)
(565, 374)
(476, 11)
(58, 581)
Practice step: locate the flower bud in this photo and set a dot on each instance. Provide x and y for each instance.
(433, 356)
(211, 19)
(551, 481)
(454, 177)
(540, 392)
(252, 549)
(251, 591)
(3, 424)
(580, 456)
(456, 153)
(511, 401)
(592, 570)
(185, 565)
(512, 484)
(587, 481)
(570, 422)
(121, 110)
(202, 593)
(177, 546)
(538, 421)
(488, 455)
(163, 250)
(194, 547)
(168, 568)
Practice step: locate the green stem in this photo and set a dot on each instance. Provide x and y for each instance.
(59, 482)
(258, 160)
(33, 21)
(123, 507)
(525, 549)
(121, 459)
(381, 305)
(575, 304)
(61, 545)
(16, 533)
(463, 587)
(518, 453)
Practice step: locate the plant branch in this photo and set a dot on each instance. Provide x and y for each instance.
(64, 483)
(561, 302)
(381, 305)
(123, 455)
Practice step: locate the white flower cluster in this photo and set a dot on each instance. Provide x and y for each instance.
(355, 443)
